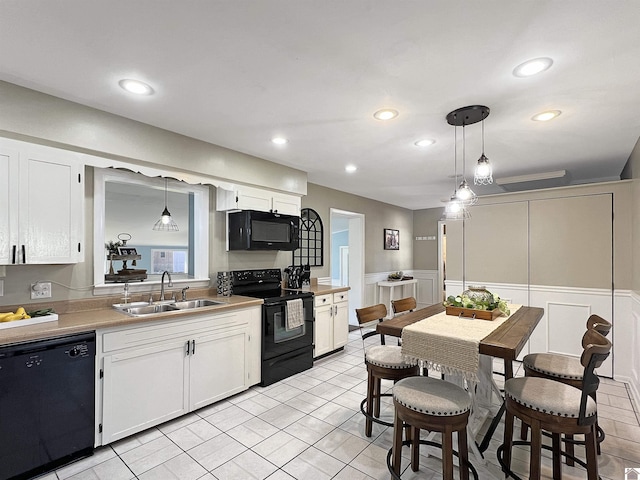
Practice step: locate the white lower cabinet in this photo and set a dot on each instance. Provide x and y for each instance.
(332, 322)
(158, 371)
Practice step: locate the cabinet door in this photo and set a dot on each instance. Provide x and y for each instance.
(51, 207)
(8, 204)
(323, 332)
(340, 324)
(254, 199)
(142, 388)
(287, 204)
(218, 366)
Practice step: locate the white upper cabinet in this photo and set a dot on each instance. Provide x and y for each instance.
(41, 214)
(249, 198)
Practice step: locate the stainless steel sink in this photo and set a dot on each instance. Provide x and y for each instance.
(201, 302)
(138, 309)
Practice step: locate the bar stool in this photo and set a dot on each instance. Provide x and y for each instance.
(565, 369)
(384, 362)
(424, 403)
(404, 305)
(555, 407)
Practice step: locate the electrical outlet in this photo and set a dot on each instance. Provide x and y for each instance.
(1, 287)
(40, 290)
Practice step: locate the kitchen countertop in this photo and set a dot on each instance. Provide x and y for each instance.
(76, 316)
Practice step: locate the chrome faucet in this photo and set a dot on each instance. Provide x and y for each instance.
(170, 284)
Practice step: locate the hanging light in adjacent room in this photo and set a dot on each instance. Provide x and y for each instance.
(484, 173)
(166, 222)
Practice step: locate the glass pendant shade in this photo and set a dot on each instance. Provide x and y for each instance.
(465, 195)
(166, 222)
(484, 172)
(455, 210)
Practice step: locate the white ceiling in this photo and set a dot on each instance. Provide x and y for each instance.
(236, 73)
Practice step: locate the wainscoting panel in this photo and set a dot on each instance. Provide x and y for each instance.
(566, 320)
(566, 311)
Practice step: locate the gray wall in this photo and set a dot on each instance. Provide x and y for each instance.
(511, 248)
(378, 216)
(39, 118)
(633, 169)
(425, 252)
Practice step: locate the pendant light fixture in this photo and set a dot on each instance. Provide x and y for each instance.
(484, 173)
(166, 222)
(455, 209)
(464, 193)
(463, 197)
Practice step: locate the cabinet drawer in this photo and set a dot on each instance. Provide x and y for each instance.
(321, 300)
(340, 297)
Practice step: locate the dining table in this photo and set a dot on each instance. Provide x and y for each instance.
(505, 342)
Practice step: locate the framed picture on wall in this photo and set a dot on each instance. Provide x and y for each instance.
(391, 239)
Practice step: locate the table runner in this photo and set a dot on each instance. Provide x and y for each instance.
(447, 343)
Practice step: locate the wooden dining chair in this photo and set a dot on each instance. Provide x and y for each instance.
(384, 362)
(557, 408)
(565, 369)
(404, 305)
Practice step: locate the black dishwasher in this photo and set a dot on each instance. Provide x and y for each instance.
(47, 403)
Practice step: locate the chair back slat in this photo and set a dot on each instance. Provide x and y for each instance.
(596, 350)
(369, 314)
(599, 324)
(404, 305)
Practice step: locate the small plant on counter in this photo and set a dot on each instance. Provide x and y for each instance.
(463, 301)
(112, 247)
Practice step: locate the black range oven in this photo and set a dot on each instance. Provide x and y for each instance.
(287, 347)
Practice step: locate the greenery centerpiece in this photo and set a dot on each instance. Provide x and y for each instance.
(474, 301)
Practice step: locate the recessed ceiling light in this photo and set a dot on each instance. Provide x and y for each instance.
(425, 143)
(386, 114)
(350, 168)
(279, 140)
(546, 116)
(135, 86)
(533, 67)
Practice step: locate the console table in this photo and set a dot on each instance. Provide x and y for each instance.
(391, 285)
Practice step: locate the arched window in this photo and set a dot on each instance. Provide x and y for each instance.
(310, 251)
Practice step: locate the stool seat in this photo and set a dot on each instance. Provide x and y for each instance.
(431, 396)
(554, 365)
(387, 356)
(552, 398)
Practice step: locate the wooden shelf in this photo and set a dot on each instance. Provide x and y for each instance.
(125, 278)
(115, 256)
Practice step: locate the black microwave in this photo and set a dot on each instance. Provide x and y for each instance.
(253, 230)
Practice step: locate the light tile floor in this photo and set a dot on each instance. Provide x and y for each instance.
(309, 427)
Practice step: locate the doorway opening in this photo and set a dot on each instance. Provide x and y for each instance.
(347, 256)
(442, 261)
